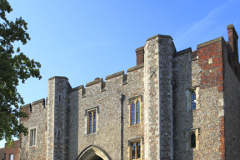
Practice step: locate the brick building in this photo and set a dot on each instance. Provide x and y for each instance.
(172, 105)
(9, 152)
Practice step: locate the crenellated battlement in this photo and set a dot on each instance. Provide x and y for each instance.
(119, 77)
(28, 108)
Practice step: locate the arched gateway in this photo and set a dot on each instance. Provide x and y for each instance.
(93, 152)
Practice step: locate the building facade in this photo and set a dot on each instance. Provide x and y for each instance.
(172, 105)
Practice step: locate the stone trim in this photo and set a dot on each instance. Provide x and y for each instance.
(76, 88)
(133, 98)
(94, 108)
(209, 42)
(39, 101)
(106, 156)
(134, 138)
(159, 35)
(94, 82)
(57, 77)
(135, 67)
(189, 132)
(230, 26)
(114, 75)
(182, 52)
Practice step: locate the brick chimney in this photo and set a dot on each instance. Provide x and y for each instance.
(233, 39)
(140, 55)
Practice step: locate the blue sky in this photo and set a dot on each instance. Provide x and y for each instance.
(83, 40)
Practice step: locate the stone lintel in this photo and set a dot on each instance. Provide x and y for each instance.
(58, 77)
(159, 35)
(135, 67)
(77, 88)
(115, 75)
(94, 82)
(26, 105)
(209, 42)
(39, 101)
(183, 52)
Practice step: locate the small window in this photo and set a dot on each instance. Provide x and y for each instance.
(135, 111)
(59, 98)
(10, 156)
(135, 150)
(236, 71)
(59, 134)
(92, 121)
(193, 140)
(193, 100)
(32, 137)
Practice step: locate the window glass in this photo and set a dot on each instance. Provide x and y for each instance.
(133, 113)
(90, 122)
(138, 111)
(138, 150)
(94, 125)
(133, 151)
(193, 100)
(32, 137)
(59, 134)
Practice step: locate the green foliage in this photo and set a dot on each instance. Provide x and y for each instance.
(12, 69)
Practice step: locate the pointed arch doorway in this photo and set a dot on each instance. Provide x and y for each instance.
(93, 152)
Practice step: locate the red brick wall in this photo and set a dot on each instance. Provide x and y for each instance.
(15, 151)
(140, 55)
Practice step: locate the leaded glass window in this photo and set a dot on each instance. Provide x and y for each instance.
(138, 112)
(135, 150)
(133, 113)
(193, 100)
(92, 121)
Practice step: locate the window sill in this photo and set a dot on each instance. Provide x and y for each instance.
(33, 146)
(91, 134)
(134, 125)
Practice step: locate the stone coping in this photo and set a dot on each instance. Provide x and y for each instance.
(94, 82)
(114, 75)
(209, 42)
(230, 26)
(26, 105)
(76, 88)
(183, 52)
(58, 77)
(39, 101)
(135, 67)
(139, 49)
(159, 35)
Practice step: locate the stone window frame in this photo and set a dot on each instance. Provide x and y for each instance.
(135, 140)
(189, 133)
(189, 92)
(130, 101)
(87, 118)
(33, 128)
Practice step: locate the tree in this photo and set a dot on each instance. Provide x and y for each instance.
(14, 66)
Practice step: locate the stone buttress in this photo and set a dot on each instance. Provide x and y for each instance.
(158, 96)
(57, 118)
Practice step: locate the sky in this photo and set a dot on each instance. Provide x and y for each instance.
(85, 39)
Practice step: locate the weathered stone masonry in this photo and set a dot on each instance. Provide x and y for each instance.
(163, 81)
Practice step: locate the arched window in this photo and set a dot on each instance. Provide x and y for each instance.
(136, 150)
(193, 140)
(133, 113)
(138, 112)
(193, 100)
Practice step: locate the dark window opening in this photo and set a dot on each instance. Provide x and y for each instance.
(136, 150)
(133, 113)
(193, 140)
(236, 70)
(59, 98)
(59, 134)
(229, 59)
(138, 112)
(92, 121)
